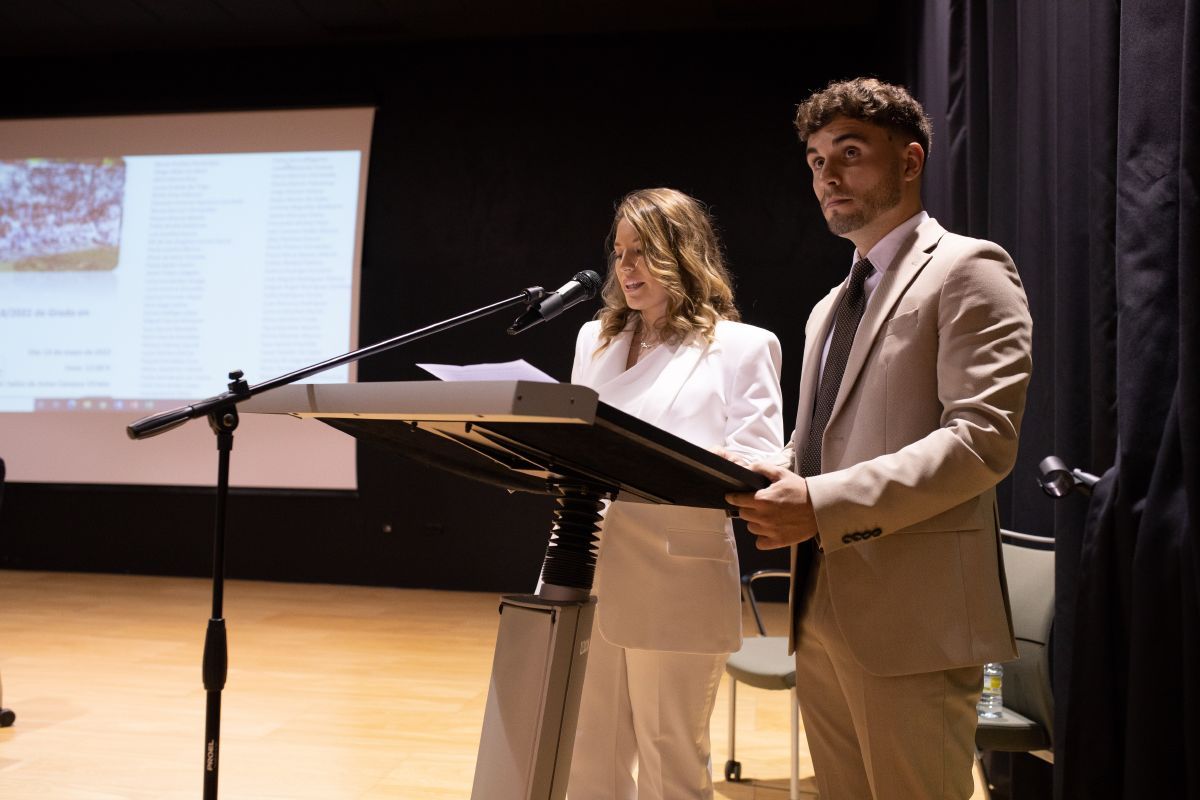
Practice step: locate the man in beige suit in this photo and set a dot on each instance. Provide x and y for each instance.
(913, 386)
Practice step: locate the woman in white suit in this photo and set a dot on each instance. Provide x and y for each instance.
(667, 348)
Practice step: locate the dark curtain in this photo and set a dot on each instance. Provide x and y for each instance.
(1066, 131)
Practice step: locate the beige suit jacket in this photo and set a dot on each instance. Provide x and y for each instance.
(925, 425)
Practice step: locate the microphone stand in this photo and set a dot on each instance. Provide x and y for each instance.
(222, 414)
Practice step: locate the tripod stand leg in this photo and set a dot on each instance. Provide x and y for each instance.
(215, 667)
(216, 653)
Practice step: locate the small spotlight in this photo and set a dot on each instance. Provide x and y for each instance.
(1057, 479)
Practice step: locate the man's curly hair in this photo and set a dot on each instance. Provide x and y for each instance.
(869, 100)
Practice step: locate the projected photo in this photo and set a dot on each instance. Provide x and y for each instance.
(60, 215)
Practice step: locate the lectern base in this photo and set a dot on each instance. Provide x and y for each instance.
(533, 699)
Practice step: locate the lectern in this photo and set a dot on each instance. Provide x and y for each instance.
(550, 438)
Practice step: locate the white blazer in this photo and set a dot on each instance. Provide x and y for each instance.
(667, 577)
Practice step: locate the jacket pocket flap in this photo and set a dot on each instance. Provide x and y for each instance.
(690, 543)
(901, 322)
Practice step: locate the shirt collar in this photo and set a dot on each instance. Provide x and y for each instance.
(884, 252)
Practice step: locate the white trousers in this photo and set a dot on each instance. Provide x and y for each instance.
(650, 709)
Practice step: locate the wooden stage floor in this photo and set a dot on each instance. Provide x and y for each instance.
(334, 692)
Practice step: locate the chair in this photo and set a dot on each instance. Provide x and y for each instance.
(7, 717)
(1026, 721)
(763, 662)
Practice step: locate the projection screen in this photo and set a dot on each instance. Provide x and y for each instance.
(143, 258)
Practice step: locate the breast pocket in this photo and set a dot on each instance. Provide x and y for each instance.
(899, 334)
(690, 543)
(901, 322)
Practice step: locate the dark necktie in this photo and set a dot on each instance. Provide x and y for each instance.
(849, 314)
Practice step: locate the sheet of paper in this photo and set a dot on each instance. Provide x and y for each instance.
(519, 370)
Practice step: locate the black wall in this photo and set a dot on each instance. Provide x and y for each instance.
(495, 165)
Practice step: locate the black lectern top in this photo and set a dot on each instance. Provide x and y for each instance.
(519, 435)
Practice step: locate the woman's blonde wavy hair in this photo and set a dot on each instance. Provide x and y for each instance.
(682, 253)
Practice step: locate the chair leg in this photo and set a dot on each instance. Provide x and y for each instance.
(794, 780)
(733, 769)
(7, 717)
(732, 717)
(981, 775)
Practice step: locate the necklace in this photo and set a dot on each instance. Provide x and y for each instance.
(645, 344)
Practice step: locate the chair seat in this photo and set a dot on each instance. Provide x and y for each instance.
(764, 663)
(1011, 733)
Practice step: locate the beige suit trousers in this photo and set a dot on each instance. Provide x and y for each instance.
(905, 737)
(650, 709)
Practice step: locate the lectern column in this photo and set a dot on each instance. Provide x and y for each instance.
(541, 657)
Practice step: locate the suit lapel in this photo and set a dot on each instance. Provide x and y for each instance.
(682, 362)
(909, 262)
(610, 363)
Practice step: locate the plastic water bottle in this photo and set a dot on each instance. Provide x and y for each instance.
(992, 698)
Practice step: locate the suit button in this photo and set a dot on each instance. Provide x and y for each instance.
(877, 532)
(846, 539)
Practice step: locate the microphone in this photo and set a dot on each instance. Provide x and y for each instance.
(582, 286)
